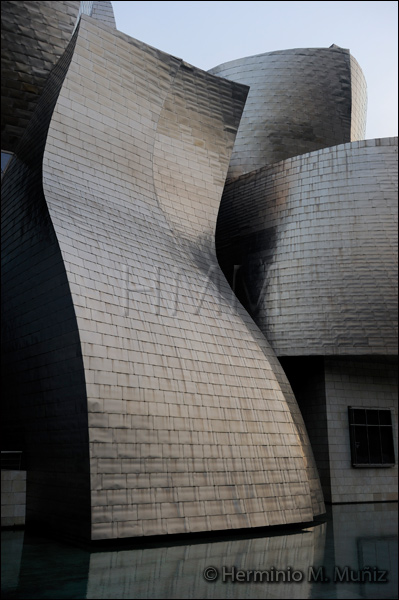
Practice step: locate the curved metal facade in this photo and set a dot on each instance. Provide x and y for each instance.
(99, 10)
(44, 403)
(359, 101)
(191, 422)
(34, 35)
(316, 236)
(299, 101)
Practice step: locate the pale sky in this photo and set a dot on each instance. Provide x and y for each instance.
(206, 34)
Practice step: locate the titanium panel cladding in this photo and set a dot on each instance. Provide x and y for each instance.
(316, 238)
(191, 422)
(299, 101)
(34, 35)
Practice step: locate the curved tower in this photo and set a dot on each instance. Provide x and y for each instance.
(300, 100)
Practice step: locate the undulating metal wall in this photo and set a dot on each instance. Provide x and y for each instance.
(189, 426)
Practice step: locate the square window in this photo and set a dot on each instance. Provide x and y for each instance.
(371, 437)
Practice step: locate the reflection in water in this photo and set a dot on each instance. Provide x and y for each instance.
(48, 570)
(356, 536)
(177, 572)
(365, 535)
(11, 547)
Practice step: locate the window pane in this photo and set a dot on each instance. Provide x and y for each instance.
(372, 417)
(361, 445)
(358, 415)
(385, 417)
(388, 453)
(371, 437)
(374, 445)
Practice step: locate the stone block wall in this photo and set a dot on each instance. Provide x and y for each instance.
(365, 383)
(13, 498)
(325, 387)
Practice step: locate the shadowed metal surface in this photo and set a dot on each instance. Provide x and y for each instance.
(44, 403)
(316, 236)
(34, 35)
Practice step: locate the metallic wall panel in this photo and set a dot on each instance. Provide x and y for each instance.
(192, 423)
(98, 9)
(359, 102)
(300, 100)
(103, 11)
(316, 236)
(33, 37)
(44, 403)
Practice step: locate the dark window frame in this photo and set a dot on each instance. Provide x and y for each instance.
(371, 437)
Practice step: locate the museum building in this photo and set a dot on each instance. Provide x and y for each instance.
(199, 285)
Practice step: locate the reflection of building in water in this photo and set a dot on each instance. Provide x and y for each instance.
(178, 570)
(356, 537)
(141, 412)
(367, 536)
(11, 544)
